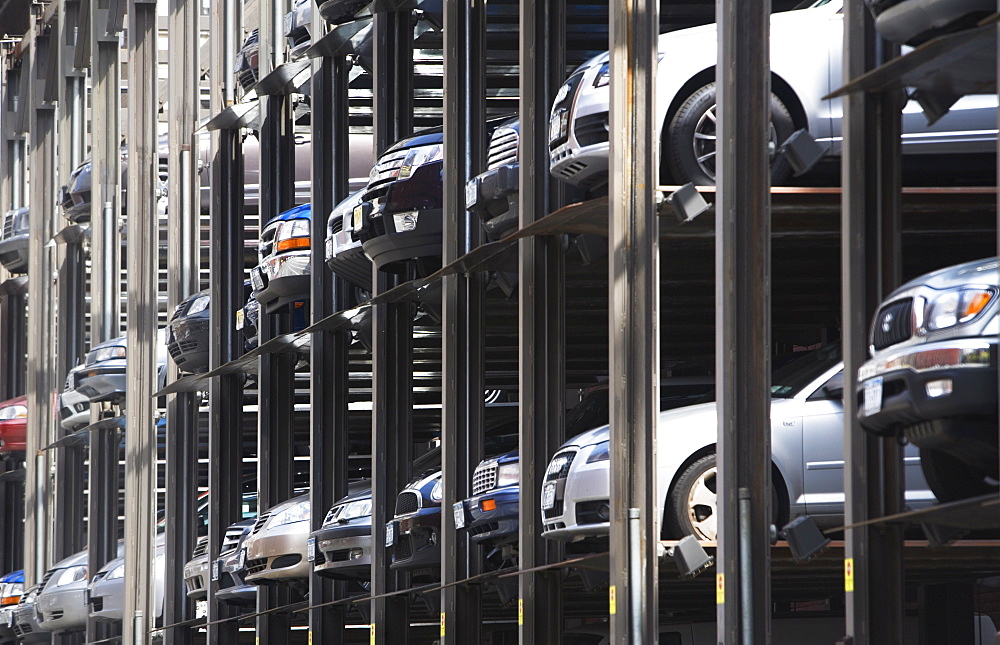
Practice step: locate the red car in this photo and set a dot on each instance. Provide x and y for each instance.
(13, 424)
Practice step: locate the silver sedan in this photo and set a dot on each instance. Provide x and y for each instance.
(807, 452)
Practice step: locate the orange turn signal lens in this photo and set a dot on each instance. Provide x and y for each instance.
(9, 600)
(488, 505)
(293, 243)
(976, 304)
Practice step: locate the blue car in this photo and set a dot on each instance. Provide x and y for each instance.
(11, 588)
(492, 511)
(282, 275)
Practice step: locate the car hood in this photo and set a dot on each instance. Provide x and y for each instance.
(299, 212)
(978, 272)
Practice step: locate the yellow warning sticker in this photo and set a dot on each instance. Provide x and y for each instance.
(720, 588)
(310, 637)
(520, 611)
(442, 623)
(612, 600)
(848, 574)
(371, 629)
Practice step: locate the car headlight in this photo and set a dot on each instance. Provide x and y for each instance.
(13, 412)
(354, 510)
(603, 75)
(117, 572)
(956, 307)
(297, 513)
(438, 491)
(293, 234)
(105, 354)
(69, 576)
(199, 305)
(508, 474)
(420, 157)
(599, 452)
(11, 594)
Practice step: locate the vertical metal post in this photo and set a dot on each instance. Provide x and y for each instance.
(743, 321)
(633, 280)
(463, 338)
(541, 302)
(392, 329)
(142, 266)
(71, 270)
(870, 261)
(329, 446)
(225, 398)
(183, 264)
(38, 528)
(105, 292)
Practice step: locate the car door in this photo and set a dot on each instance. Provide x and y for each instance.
(823, 452)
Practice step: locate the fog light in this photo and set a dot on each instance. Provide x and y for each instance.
(488, 505)
(405, 221)
(604, 512)
(940, 387)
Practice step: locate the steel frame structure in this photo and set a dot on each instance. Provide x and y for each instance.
(50, 88)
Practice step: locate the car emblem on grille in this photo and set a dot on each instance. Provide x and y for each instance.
(887, 322)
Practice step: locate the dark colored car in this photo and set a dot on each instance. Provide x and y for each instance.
(233, 589)
(932, 377)
(493, 507)
(493, 195)
(298, 28)
(247, 60)
(344, 254)
(282, 276)
(413, 532)
(188, 332)
(400, 215)
(13, 425)
(14, 241)
(916, 21)
(338, 11)
(341, 547)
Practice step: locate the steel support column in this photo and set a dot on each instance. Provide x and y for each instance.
(392, 331)
(463, 321)
(141, 314)
(743, 322)
(183, 264)
(225, 398)
(328, 449)
(541, 303)
(634, 289)
(38, 519)
(105, 291)
(870, 262)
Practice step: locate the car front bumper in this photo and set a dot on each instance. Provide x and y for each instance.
(389, 245)
(187, 343)
(64, 610)
(498, 525)
(493, 197)
(346, 258)
(74, 410)
(102, 382)
(277, 554)
(416, 545)
(14, 253)
(107, 599)
(13, 435)
(282, 279)
(196, 577)
(344, 552)
(586, 486)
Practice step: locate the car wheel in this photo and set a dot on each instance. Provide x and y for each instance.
(951, 479)
(691, 507)
(690, 144)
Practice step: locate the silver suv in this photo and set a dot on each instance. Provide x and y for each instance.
(932, 377)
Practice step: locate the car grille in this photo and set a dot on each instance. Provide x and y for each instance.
(573, 84)
(193, 583)
(8, 223)
(483, 528)
(485, 478)
(591, 129)
(231, 539)
(261, 521)
(385, 172)
(503, 148)
(407, 502)
(45, 578)
(257, 565)
(266, 247)
(893, 324)
(200, 547)
(340, 555)
(565, 467)
(403, 549)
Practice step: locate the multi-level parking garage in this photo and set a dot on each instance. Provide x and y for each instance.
(441, 326)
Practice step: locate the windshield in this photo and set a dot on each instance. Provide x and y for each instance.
(789, 380)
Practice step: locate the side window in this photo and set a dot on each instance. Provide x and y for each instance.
(832, 390)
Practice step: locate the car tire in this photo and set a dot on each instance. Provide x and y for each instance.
(951, 479)
(691, 507)
(689, 145)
